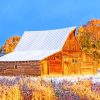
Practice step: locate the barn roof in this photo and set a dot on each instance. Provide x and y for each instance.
(2, 54)
(37, 45)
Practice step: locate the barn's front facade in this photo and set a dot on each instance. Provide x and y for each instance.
(52, 52)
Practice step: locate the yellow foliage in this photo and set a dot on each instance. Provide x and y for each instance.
(10, 44)
(88, 37)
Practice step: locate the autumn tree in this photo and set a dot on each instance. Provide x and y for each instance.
(10, 44)
(89, 37)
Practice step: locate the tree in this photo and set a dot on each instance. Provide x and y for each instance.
(10, 44)
(89, 37)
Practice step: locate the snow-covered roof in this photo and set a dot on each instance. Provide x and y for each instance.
(2, 54)
(27, 55)
(37, 45)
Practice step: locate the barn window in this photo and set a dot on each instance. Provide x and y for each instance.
(74, 61)
(15, 66)
(57, 56)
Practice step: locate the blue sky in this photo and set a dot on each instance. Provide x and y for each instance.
(17, 16)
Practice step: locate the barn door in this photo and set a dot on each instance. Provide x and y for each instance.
(65, 67)
(44, 68)
(74, 67)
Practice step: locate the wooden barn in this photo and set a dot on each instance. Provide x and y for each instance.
(51, 52)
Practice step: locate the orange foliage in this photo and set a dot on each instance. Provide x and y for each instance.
(89, 37)
(92, 28)
(10, 44)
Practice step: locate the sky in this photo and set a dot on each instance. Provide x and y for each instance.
(17, 16)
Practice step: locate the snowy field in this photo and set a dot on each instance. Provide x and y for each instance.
(86, 87)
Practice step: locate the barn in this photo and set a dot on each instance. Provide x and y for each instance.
(49, 52)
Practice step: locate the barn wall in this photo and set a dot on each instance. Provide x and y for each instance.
(75, 61)
(71, 43)
(71, 54)
(20, 68)
(53, 64)
(88, 65)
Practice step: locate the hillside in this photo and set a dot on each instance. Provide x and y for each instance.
(89, 37)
